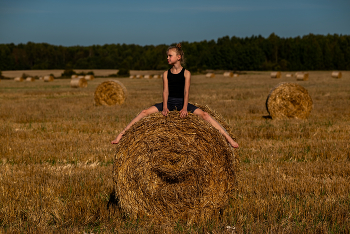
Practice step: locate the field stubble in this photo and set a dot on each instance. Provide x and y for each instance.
(56, 157)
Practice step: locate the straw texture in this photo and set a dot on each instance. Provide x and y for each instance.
(172, 168)
(110, 93)
(289, 100)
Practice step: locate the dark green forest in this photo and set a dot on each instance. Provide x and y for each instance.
(310, 52)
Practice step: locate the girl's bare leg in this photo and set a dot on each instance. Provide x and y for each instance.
(208, 118)
(143, 114)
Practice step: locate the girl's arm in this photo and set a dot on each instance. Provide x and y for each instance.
(165, 94)
(183, 112)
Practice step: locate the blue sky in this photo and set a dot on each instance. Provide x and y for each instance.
(90, 22)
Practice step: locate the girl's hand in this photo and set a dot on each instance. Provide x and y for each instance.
(165, 111)
(183, 113)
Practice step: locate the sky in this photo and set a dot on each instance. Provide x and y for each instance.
(141, 22)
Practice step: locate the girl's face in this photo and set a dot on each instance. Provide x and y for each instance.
(173, 57)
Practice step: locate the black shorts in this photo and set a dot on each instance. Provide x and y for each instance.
(176, 104)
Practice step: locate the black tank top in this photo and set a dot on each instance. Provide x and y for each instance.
(176, 84)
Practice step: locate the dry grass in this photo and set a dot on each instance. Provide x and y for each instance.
(56, 157)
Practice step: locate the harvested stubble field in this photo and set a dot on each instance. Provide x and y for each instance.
(56, 157)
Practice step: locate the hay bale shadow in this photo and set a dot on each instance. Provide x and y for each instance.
(113, 201)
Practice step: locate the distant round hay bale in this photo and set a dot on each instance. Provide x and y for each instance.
(228, 74)
(139, 76)
(89, 77)
(302, 76)
(275, 74)
(81, 77)
(148, 76)
(289, 100)
(132, 77)
(156, 76)
(74, 76)
(172, 168)
(336, 74)
(78, 83)
(41, 78)
(30, 79)
(18, 79)
(48, 78)
(110, 93)
(289, 75)
(210, 75)
(235, 75)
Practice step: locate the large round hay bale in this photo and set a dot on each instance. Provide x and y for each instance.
(235, 75)
(289, 100)
(228, 74)
(157, 76)
(78, 83)
(172, 168)
(89, 77)
(139, 76)
(289, 75)
(110, 93)
(48, 78)
(210, 75)
(302, 76)
(30, 79)
(276, 74)
(336, 74)
(74, 76)
(80, 77)
(18, 79)
(132, 77)
(148, 76)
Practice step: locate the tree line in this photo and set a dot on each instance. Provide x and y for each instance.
(310, 52)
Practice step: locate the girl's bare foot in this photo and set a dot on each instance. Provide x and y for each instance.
(116, 140)
(233, 143)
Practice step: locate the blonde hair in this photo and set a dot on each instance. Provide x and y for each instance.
(178, 51)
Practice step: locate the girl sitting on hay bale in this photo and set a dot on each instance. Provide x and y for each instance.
(176, 86)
